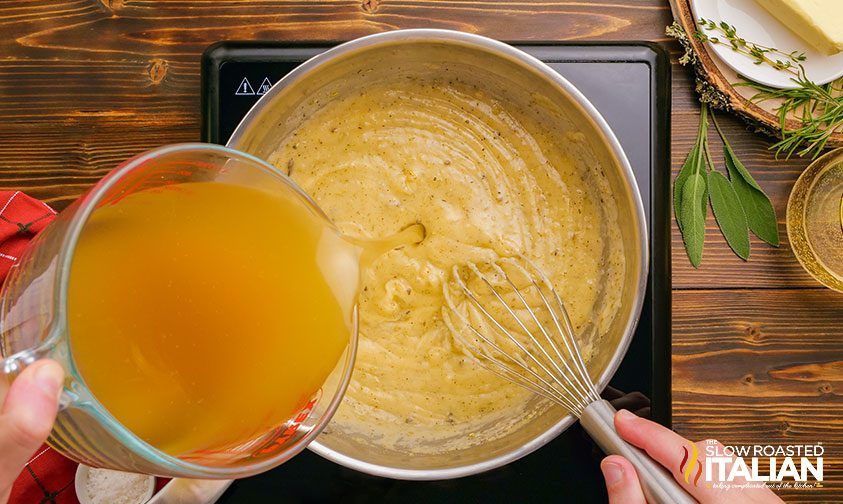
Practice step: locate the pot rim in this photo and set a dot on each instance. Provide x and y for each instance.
(509, 52)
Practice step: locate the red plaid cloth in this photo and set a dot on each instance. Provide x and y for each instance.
(48, 477)
(20, 218)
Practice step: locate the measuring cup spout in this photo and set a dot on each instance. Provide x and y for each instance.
(371, 250)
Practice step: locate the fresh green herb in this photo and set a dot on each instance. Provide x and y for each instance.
(729, 213)
(818, 108)
(738, 202)
(760, 214)
(694, 211)
(762, 54)
(686, 171)
(690, 194)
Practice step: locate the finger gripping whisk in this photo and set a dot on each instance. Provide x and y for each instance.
(508, 316)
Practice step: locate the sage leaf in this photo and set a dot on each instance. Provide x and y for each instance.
(733, 162)
(694, 211)
(760, 215)
(687, 169)
(729, 213)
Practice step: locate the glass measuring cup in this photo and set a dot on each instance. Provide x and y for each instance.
(33, 325)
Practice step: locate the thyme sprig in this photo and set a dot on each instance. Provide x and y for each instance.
(761, 54)
(817, 107)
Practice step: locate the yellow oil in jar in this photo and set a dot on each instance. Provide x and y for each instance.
(815, 219)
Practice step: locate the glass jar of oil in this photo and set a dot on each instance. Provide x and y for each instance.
(815, 219)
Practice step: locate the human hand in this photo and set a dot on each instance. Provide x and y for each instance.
(26, 418)
(665, 447)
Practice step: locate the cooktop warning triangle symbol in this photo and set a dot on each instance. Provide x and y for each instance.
(245, 88)
(265, 85)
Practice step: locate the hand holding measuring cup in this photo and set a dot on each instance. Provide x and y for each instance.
(28, 410)
(38, 319)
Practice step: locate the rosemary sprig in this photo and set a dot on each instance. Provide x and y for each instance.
(760, 53)
(738, 202)
(819, 108)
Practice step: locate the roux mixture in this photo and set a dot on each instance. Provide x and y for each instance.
(487, 181)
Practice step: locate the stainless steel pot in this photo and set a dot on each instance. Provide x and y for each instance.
(509, 74)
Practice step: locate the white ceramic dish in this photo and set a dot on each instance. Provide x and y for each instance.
(82, 489)
(191, 491)
(755, 24)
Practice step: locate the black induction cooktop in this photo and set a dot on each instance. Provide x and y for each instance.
(630, 85)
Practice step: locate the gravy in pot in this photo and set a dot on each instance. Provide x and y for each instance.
(487, 180)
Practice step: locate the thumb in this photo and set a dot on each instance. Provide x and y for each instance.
(27, 416)
(621, 481)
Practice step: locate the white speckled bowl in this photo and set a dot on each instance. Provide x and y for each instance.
(82, 489)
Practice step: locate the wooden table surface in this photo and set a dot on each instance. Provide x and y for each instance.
(757, 347)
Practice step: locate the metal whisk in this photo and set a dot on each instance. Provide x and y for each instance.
(509, 317)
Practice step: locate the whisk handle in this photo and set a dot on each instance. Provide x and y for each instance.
(598, 419)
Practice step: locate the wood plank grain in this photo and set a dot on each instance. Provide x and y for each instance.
(182, 28)
(767, 267)
(762, 366)
(85, 84)
(57, 164)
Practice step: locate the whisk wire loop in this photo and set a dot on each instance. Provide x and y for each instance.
(525, 352)
(501, 338)
(578, 380)
(567, 334)
(540, 363)
(574, 349)
(483, 356)
(526, 305)
(542, 388)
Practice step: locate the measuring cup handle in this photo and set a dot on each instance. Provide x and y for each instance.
(659, 486)
(13, 366)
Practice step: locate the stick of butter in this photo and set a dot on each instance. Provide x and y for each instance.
(818, 22)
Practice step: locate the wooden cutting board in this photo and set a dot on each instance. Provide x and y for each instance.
(714, 75)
